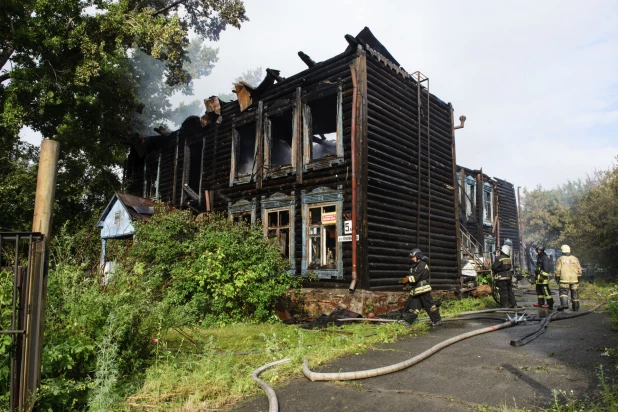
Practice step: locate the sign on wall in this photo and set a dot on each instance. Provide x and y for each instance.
(347, 227)
(329, 218)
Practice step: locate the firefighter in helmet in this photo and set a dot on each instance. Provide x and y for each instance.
(420, 294)
(543, 268)
(568, 271)
(501, 269)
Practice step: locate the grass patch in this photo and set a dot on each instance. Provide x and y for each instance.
(453, 307)
(214, 370)
(599, 290)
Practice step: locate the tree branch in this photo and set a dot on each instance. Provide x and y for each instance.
(171, 6)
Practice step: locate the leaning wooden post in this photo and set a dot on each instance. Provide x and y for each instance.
(42, 223)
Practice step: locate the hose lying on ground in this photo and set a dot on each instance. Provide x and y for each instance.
(473, 312)
(536, 333)
(545, 323)
(344, 376)
(273, 404)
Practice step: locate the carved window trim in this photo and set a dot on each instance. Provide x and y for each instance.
(242, 207)
(278, 202)
(322, 196)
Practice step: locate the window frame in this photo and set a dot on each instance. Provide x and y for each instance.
(246, 120)
(320, 197)
(320, 91)
(488, 189)
(280, 107)
(242, 207)
(470, 197)
(279, 202)
(152, 171)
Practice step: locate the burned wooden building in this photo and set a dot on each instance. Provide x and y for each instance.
(488, 214)
(349, 164)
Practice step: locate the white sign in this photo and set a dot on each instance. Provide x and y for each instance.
(347, 228)
(347, 238)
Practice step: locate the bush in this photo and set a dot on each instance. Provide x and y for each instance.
(215, 270)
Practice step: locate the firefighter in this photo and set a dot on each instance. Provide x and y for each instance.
(568, 271)
(501, 269)
(420, 294)
(542, 279)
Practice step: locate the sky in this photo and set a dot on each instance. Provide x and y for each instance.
(537, 81)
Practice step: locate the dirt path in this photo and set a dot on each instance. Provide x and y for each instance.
(483, 370)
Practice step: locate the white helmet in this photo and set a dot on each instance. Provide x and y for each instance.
(506, 249)
(565, 249)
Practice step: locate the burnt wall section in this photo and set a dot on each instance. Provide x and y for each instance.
(508, 215)
(217, 144)
(393, 181)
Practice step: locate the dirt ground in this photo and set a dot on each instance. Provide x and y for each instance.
(483, 370)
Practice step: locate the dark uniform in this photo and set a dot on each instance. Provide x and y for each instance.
(502, 273)
(420, 294)
(543, 293)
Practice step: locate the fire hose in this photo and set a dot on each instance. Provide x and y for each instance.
(344, 376)
(273, 404)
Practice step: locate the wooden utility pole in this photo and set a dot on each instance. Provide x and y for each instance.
(42, 223)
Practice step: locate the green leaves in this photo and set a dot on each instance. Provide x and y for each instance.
(70, 69)
(582, 214)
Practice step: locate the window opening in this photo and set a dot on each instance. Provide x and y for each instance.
(281, 133)
(195, 163)
(471, 195)
(322, 253)
(247, 147)
(244, 217)
(278, 227)
(323, 127)
(488, 209)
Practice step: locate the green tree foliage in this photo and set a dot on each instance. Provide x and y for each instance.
(582, 214)
(17, 185)
(595, 228)
(66, 71)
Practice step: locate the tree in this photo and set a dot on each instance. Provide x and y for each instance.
(67, 71)
(252, 77)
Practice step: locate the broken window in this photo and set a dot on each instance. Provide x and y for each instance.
(470, 199)
(279, 140)
(246, 149)
(151, 169)
(488, 212)
(278, 228)
(244, 217)
(322, 126)
(242, 211)
(323, 123)
(195, 166)
(322, 245)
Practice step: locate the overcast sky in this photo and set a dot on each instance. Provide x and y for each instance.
(537, 80)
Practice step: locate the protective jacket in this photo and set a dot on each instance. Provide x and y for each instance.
(568, 269)
(419, 278)
(502, 267)
(542, 269)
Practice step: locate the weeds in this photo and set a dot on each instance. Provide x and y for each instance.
(220, 375)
